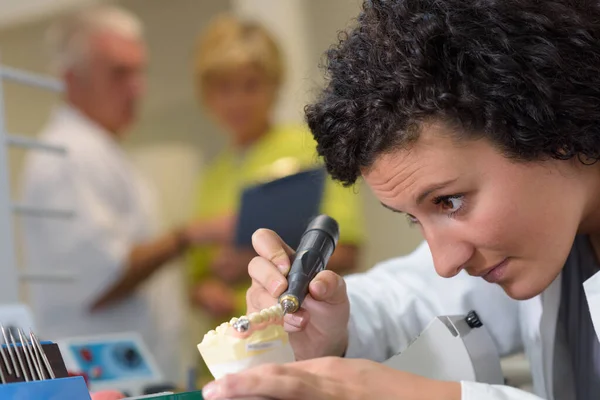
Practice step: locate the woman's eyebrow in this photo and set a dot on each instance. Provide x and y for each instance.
(392, 209)
(433, 188)
(426, 192)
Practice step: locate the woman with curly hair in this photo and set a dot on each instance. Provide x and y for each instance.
(480, 121)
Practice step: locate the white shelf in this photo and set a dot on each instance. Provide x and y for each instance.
(10, 274)
(29, 79)
(40, 212)
(34, 144)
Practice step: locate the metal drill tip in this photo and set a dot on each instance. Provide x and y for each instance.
(288, 306)
(242, 324)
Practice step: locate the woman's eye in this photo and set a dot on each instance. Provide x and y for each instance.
(411, 219)
(450, 204)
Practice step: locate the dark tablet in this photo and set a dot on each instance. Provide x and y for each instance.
(284, 205)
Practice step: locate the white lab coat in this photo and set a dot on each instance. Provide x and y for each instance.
(115, 207)
(392, 303)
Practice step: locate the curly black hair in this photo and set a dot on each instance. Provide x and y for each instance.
(524, 74)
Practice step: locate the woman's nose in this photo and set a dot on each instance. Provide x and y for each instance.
(450, 254)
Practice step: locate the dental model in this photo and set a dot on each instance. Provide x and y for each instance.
(246, 342)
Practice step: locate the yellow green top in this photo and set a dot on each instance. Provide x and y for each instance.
(284, 150)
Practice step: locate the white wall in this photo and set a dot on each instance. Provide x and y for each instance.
(18, 12)
(289, 22)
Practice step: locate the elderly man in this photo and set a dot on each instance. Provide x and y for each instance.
(111, 245)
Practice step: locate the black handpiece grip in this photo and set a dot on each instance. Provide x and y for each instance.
(316, 247)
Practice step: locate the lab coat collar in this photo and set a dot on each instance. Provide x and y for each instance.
(550, 299)
(66, 113)
(592, 293)
(541, 314)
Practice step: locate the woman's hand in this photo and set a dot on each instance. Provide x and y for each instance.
(218, 230)
(231, 264)
(215, 297)
(320, 327)
(330, 379)
(107, 395)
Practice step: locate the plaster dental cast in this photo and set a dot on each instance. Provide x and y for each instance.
(245, 342)
(479, 122)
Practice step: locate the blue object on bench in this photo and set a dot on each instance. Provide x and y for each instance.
(73, 388)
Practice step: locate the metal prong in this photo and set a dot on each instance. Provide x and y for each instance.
(46, 362)
(25, 346)
(3, 354)
(2, 377)
(36, 363)
(242, 324)
(19, 358)
(10, 353)
(38, 357)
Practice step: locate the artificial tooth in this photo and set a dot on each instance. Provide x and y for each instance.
(222, 328)
(265, 315)
(255, 318)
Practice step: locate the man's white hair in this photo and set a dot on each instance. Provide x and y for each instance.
(68, 38)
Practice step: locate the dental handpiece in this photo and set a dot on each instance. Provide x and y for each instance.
(316, 247)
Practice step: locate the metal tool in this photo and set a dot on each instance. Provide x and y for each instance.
(28, 356)
(38, 357)
(26, 361)
(38, 360)
(19, 358)
(37, 344)
(5, 359)
(316, 247)
(10, 354)
(31, 351)
(2, 378)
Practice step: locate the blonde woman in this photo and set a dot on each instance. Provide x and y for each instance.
(238, 72)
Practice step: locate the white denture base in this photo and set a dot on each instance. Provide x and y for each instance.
(226, 351)
(279, 354)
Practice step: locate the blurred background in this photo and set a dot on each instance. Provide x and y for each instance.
(174, 139)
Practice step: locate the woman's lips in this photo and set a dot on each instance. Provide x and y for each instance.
(496, 273)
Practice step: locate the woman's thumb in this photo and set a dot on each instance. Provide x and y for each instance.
(328, 287)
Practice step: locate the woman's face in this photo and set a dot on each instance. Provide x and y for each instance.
(241, 101)
(512, 223)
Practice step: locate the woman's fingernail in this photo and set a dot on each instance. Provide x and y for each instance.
(210, 391)
(284, 269)
(319, 288)
(293, 320)
(275, 286)
(297, 319)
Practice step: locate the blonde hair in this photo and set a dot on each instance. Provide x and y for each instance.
(68, 38)
(229, 43)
